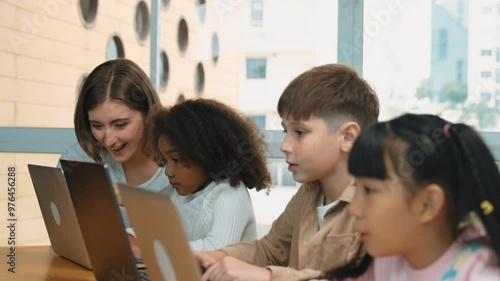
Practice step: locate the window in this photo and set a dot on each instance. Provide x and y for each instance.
(485, 97)
(497, 80)
(256, 12)
(486, 53)
(486, 74)
(256, 68)
(442, 44)
(452, 75)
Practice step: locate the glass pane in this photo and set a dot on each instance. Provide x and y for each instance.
(434, 57)
(296, 36)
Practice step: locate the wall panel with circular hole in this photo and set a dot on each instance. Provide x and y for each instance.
(182, 36)
(115, 48)
(180, 98)
(201, 8)
(79, 86)
(88, 12)
(141, 22)
(164, 70)
(165, 4)
(199, 79)
(215, 48)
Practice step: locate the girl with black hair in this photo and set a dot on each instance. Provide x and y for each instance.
(427, 203)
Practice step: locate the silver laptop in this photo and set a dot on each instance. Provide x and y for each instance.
(161, 235)
(100, 221)
(58, 214)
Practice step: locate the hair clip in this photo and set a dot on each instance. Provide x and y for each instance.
(487, 207)
(446, 130)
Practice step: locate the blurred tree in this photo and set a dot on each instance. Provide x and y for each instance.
(453, 93)
(454, 96)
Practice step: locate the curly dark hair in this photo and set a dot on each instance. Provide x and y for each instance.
(215, 136)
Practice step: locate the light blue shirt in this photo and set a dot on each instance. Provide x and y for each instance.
(157, 182)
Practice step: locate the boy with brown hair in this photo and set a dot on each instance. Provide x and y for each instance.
(323, 111)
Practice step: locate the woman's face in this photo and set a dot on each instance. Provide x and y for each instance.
(118, 128)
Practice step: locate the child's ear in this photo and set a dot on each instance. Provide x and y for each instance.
(430, 203)
(350, 132)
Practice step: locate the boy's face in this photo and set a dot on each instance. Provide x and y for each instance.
(311, 150)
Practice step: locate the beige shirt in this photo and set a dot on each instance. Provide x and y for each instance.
(296, 248)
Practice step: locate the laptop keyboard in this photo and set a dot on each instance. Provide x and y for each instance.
(144, 276)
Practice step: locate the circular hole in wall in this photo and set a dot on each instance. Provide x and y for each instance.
(115, 49)
(164, 70)
(200, 79)
(142, 21)
(215, 48)
(88, 12)
(182, 35)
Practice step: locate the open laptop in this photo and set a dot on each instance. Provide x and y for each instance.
(58, 214)
(100, 221)
(161, 235)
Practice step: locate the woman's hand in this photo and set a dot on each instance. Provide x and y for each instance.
(135, 247)
(117, 194)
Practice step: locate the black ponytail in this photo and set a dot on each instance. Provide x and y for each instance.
(479, 184)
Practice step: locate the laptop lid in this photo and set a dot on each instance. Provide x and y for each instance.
(161, 235)
(58, 214)
(100, 221)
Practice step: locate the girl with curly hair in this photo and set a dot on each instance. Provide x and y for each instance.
(213, 154)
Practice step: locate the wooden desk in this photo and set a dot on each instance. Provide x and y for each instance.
(35, 263)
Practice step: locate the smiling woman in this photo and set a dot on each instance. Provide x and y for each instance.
(110, 116)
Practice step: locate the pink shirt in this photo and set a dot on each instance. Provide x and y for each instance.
(468, 262)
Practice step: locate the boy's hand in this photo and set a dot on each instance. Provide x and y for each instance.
(209, 258)
(231, 269)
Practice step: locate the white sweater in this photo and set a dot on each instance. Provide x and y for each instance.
(216, 216)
